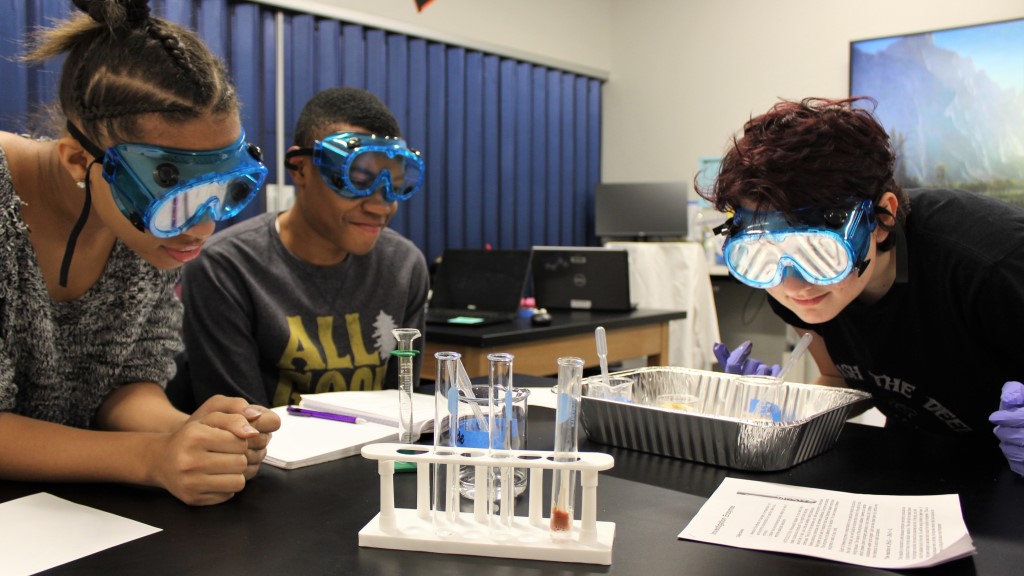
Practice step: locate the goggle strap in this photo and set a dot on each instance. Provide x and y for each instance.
(69, 250)
(902, 259)
(293, 154)
(255, 151)
(91, 148)
(724, 229)
(872, 222)
(862, 266)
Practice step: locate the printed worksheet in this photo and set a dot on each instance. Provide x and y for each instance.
(865, 529)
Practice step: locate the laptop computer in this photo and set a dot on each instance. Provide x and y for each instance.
(478, 287)
(581, 278)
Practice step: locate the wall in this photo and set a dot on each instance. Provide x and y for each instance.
(570, 34)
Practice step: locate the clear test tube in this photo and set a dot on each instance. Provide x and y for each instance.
(502, 481)
(405, 353)
(567, 417)
(446, 476)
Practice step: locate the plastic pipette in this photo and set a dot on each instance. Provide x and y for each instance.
(602, 352)
(795, 355)
(405, 354)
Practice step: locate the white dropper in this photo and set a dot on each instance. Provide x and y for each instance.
(795, 355)
(602, 353)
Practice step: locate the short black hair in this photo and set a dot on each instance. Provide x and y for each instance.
(343, 105)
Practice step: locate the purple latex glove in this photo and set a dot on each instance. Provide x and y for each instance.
(1009, 421)
(739, 362)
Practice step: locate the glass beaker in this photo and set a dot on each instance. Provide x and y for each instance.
(470, 435)
(760, 398)
(617, 388)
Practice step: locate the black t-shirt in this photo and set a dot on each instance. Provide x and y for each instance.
(935, 350)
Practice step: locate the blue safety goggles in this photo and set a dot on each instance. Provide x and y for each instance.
(356, 165)
(822, 245)
(166, 190)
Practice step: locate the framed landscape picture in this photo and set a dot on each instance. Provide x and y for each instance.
(953, 102)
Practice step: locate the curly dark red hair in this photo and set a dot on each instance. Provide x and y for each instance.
(815, 152)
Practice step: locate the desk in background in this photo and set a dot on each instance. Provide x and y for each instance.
(306, 521)
(640, 333)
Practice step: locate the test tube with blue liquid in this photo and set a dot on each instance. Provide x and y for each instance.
(567, 417)
(405, 353)
(446, 410)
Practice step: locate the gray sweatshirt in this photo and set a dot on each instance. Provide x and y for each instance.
(60, 360)
(266, 326)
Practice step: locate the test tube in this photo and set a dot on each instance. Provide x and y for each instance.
(567, 417)
(500, 389)
(405, 353)
(446, 476)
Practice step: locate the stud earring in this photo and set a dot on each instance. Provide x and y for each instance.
(80, 184)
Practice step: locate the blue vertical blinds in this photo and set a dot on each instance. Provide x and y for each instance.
(512, 148)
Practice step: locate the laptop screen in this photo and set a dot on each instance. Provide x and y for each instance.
(487, 280)
(581, 278)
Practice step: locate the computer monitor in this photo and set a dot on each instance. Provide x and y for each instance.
(640, 211)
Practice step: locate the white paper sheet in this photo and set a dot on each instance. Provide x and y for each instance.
(864, 529)
(543, 397)
(41, 531)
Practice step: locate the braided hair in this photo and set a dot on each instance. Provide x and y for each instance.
(123, 63)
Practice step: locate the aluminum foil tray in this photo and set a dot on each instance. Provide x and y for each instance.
(713, 433)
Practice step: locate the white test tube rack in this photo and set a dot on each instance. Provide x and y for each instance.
(528, 537)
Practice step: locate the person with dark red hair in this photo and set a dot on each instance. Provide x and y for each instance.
(910, 294)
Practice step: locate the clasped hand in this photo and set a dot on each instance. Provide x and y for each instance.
(217, 450)
(1009, 421)
(739, 362)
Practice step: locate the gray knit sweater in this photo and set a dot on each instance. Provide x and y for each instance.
(60, 360)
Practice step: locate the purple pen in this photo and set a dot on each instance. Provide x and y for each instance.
(296, 411)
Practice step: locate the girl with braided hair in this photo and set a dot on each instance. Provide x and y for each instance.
(93, 229)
